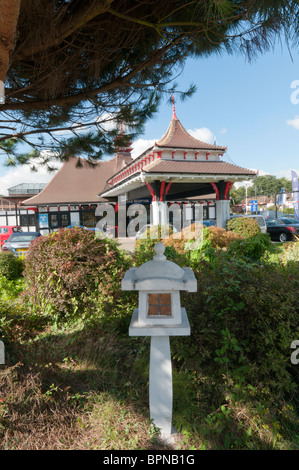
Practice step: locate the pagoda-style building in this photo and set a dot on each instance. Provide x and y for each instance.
(177, 169)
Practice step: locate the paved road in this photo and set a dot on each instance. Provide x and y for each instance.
(127, 243)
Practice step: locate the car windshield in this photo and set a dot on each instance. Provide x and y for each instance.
(274, 222)
(22, 237)
(289, 221)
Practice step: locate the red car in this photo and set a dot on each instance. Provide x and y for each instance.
(6, 231)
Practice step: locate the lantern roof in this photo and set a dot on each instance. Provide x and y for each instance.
(159, 274)
(159, 267)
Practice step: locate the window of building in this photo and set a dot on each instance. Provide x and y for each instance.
(53, 220)
(89, 219)
(27, 219)
(65, 220)
(59, 219)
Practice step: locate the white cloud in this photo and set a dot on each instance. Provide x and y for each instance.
(223, 131)
(294, 122)
(260, 172)
(107, 122)
(204, 134)
(285, 174)
(23, 174)
(141, 145)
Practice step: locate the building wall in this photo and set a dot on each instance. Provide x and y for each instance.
(25, 218)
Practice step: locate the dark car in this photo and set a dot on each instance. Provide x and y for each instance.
(289, 221)
(19, 242)
(279, 231)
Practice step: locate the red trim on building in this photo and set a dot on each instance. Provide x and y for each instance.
(162, 190)
(167, 188)
(207, 155)
(228, 187)
(216, 190)
(149, 187)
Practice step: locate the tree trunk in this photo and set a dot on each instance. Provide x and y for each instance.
(9, 14)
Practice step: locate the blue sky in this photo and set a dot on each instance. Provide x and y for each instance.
(246, 107)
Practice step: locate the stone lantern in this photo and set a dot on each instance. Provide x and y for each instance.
(160, 315)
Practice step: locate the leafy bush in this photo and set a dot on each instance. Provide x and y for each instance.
(144, 247)
(234, 372)
(71, 274)
(243, 317)
(10, 266)
(251, 248)
(245, 226)
(221, 238)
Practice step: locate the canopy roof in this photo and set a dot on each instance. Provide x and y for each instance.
(176, 136)
(78, 182)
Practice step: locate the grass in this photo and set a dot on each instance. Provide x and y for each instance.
(80, 388)
(73, 389)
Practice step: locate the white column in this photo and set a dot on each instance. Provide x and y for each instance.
(222, 212)
(160, 384)
(155, 213)
(163, 213)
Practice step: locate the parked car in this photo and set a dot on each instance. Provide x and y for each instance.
(279, 231)
(6, 231)
(19, 242)
(289, 221)
(91, 229)
(209, 223)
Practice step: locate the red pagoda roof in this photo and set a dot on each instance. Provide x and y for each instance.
(177, 137)
(198, 167)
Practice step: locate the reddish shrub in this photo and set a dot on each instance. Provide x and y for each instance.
(73, 274)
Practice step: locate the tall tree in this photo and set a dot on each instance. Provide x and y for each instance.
(79, 65)
(9, 15)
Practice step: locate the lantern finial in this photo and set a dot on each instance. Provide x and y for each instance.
(159, 249)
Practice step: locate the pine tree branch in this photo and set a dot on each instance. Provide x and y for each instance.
(78, 19)
(121, 81)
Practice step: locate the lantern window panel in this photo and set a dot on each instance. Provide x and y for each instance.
(159, 305)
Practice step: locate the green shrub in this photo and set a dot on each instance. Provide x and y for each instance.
(144, 247)
(71, 275)
(243, 318)
(10, 266)
(251, 248)
(245, 226)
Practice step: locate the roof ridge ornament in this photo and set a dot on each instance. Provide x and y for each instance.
(174, 116)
